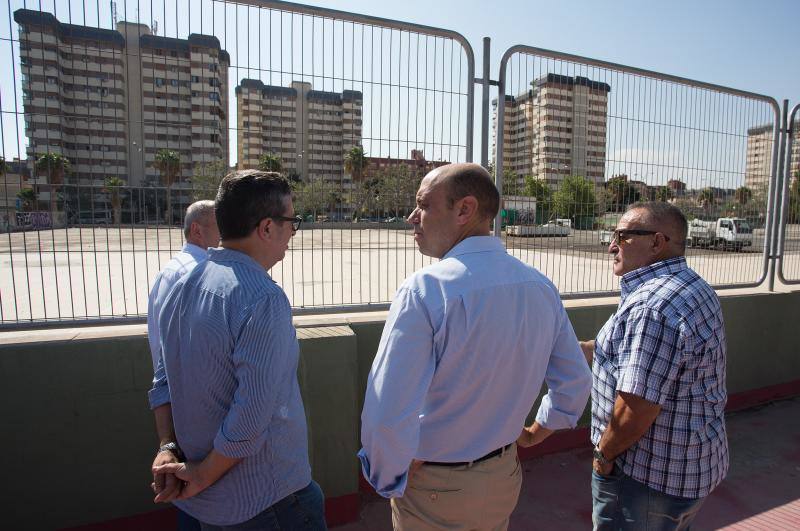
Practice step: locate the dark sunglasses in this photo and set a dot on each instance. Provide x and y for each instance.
(295, 221)
(621, 235)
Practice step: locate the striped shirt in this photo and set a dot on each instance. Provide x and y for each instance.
(179, 265)
(666, 344)
(229, 370)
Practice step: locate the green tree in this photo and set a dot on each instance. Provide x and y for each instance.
(28, 198)
(310, 197)
(355, 163)
(664, 194)
(706, 200)
(621, 193)
(168, 164)
(575, 198)
(511, 183)
(537, 188)
(743, 195)
(363, 195)
(113, 187)
(270, 162)
(55, 166)
(396, 190)
(206, 178)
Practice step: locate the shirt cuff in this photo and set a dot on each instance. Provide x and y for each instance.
(394, 490)
(641, 390)
(158, 396)
(551, 418)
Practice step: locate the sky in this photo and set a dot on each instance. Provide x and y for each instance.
(742, 44)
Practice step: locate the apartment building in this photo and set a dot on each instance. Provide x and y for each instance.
(556, 129)
(759, 156)
(310, 130)
(108, 100)
(417, 166)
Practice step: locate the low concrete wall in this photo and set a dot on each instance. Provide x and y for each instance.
(79, 437)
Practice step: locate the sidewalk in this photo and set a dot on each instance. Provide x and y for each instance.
(761, 492)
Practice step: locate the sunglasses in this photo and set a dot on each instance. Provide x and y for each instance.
(295, 221)
(624, 235)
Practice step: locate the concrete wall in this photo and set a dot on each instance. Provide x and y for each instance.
(79, 438)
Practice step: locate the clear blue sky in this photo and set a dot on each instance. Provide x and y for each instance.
(749, 45)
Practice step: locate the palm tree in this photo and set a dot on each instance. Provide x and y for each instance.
(355, 162)
(743, 195)
(270, 162)
(706, 199)
(28, 198)
(55, 166)
(168, 163)
(112, 187)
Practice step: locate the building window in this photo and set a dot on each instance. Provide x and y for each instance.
(213, 96)
(194, 94)
(174, 82)
(195, 79)
(51, 80)
(159, 82)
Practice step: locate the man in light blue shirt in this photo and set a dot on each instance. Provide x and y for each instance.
(466, 347)
(226, 396)
(201, 232)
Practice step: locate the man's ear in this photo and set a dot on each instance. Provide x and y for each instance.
(467, 208)
(263, 228)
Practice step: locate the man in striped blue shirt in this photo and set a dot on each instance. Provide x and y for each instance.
(658, 394)
(228, 408)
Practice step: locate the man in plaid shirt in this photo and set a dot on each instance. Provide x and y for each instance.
(658, 392)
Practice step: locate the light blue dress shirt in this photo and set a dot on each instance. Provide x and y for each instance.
(179, 265)
(465, 349)
(229, 370)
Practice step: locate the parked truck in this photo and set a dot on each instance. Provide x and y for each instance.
(725, 233)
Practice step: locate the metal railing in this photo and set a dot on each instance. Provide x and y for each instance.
(353, 109)
(788, 241)
(587, 138)
(116, 116)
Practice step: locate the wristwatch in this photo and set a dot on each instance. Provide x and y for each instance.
(174, 448)
(598, 455)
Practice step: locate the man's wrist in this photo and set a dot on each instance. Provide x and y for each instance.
(174, 449)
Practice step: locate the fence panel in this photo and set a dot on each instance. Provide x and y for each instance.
(577, 140)
(117, 115)
(789, 225)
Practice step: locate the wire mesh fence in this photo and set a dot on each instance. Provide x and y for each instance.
(577, 141)
(789, 234)
(117, 115)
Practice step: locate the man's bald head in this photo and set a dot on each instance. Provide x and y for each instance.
(467, 179)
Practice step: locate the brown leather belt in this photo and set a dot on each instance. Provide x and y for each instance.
(494, 453)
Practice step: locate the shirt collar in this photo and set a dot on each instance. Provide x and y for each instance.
(197, 252)
(222, 254)
(475, 244)
(631, 280)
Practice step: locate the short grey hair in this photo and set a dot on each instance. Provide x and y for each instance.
(196, 212)
(662, 214)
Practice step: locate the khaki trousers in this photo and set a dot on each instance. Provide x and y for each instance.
(480, 496)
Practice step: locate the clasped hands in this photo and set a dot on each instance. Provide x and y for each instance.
(175, 480)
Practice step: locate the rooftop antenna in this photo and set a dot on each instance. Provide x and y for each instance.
(114, 12)
(155, 27)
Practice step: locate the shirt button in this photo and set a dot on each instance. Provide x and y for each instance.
(434, 496)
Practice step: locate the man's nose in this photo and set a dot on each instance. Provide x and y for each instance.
(412, 218)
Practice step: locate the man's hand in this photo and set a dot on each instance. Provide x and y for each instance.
(189, 474)
(533, 435)
(166, 486)
(602, 469)
(588, 350)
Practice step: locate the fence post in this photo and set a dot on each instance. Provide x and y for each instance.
(487, 44)
(772, 230)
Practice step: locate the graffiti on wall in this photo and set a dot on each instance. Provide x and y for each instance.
(34, 220)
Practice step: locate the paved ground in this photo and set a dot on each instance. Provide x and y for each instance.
(80, 272)
(762, 490)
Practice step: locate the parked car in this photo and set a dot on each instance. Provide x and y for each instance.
(548, 229)
(94, 217)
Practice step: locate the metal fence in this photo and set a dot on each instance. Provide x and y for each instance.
(788, 242)
(587, 138)
(151, 103)
(117, 115)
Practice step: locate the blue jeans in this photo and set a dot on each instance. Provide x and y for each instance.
(187, 522)
(619, 502)
(302, 510)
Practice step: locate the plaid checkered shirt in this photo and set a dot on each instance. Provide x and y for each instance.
(666, 344)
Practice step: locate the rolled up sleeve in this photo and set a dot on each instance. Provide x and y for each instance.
(568, 378)
(264, 356)
(398, 382)
(159, 393)
(652, 347)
